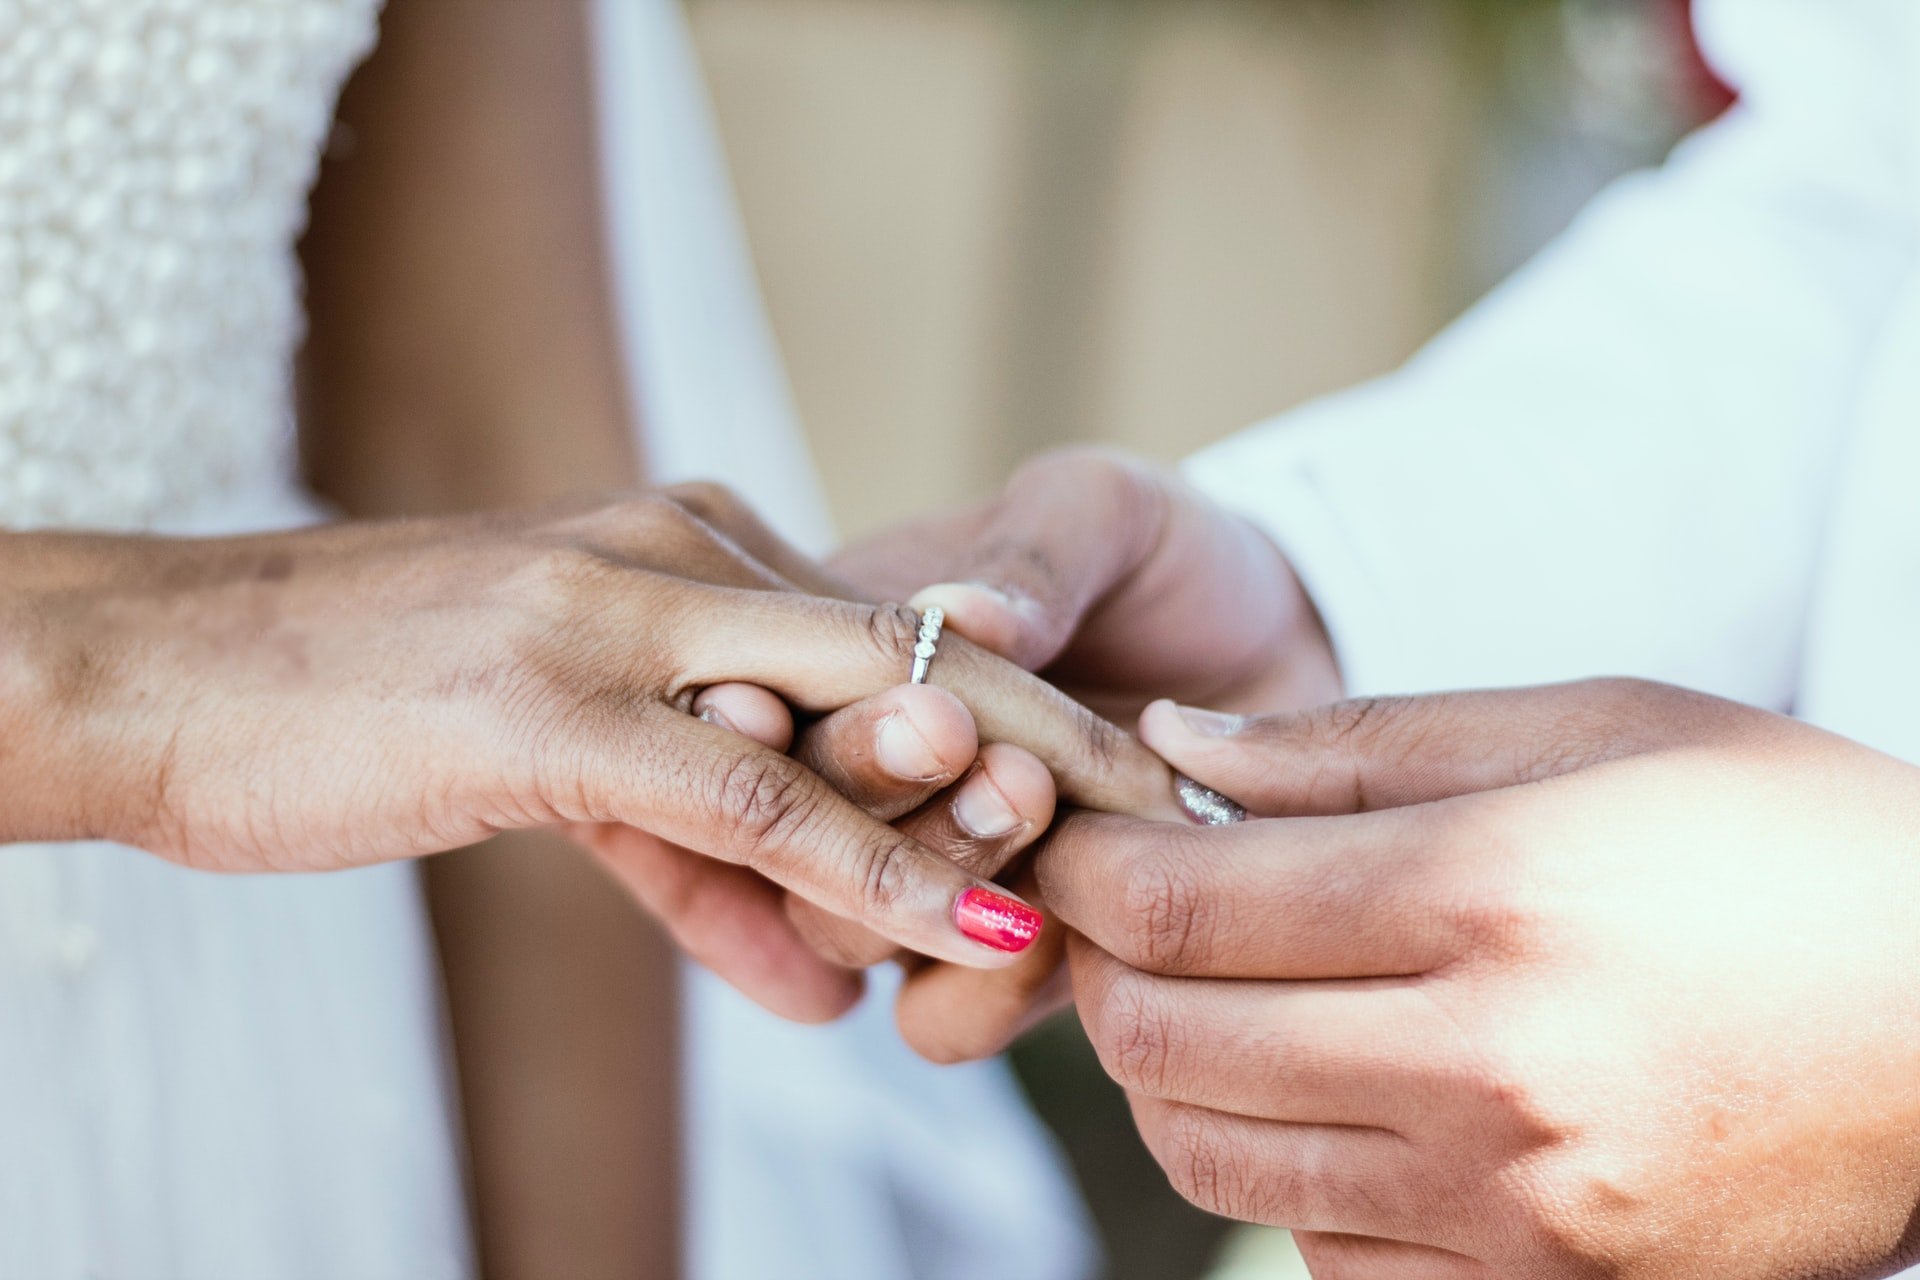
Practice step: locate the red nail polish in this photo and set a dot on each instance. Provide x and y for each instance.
(1004, 924)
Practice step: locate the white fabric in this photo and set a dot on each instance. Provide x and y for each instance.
(154, 165)
(812, 1151)
(1682, 444)
(241, 1078)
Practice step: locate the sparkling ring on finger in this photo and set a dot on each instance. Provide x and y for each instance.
(930, 623)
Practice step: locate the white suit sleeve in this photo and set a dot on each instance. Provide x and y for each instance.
(1619, 463)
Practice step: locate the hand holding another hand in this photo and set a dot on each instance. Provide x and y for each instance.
(339, 696)
(1120, 585)
(1117, 582)
(1603, 979)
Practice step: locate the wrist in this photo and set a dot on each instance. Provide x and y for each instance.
(60, 777)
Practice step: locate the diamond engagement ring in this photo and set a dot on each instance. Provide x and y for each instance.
(930, 623)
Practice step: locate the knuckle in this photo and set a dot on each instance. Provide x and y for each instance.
(949, 1017)
(1641, 715)
(1105, 744)
(1496, 928)
(1117, 482)
(567, 574)
(1135, 1036)
(1077, 464)
(1557, 1207)
(706, 500)
(1613, 717)
(643, 511)
(1357, 722)
(1487, 919)
(1205, 1168)
(1343, 735)
(763, 804)
(1165, 913)
(1610, 719)
(642, 527)
(1497, 1086)
(885, 877)
(891, 630)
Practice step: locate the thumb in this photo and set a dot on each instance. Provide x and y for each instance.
(1068, 529)
(1381, 753)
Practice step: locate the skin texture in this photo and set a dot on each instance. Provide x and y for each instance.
(1606, 979)
(391, 690)
(1121, 585)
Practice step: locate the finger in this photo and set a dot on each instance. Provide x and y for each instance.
(892, 752)
(948, 1014)
(748, 710)
(1379, 895)
(1377, 753)
(897, 562)
(1068, 528)
(651, 530)
(1338, 1257)
(995, 814)
(1342, 1053)
(822, 655)
(735, 519)
(980, 826)
(729, 920)
(1304, 1176)
(717, 793)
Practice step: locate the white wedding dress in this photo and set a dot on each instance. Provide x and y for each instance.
(243, 1078)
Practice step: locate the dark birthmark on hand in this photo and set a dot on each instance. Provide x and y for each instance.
(275, 566)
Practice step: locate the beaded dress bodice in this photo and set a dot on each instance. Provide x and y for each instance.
(155, 160)
(201, 1076)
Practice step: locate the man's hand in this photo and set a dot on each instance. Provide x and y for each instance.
(1119, 583)
(1606, 979)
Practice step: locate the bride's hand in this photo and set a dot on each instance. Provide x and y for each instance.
(910, 756)
(347, 695)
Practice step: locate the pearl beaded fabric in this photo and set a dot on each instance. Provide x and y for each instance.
(155, 160)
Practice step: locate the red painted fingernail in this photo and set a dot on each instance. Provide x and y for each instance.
(1005, 924)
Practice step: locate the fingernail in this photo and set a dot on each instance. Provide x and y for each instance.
(982, 811)
(997, 921)
(1211, 724)
(904, 752)
(713, 716)
(1205, 805)
(952, 596)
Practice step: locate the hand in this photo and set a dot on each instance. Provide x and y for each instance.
(1607, 979)
(1118, 582)
(889, 755)
(340, 696)
(1004, 804)
(910, 756)
(1121, 585)
(947, 1013)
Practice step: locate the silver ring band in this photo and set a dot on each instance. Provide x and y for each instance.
(928, 644)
